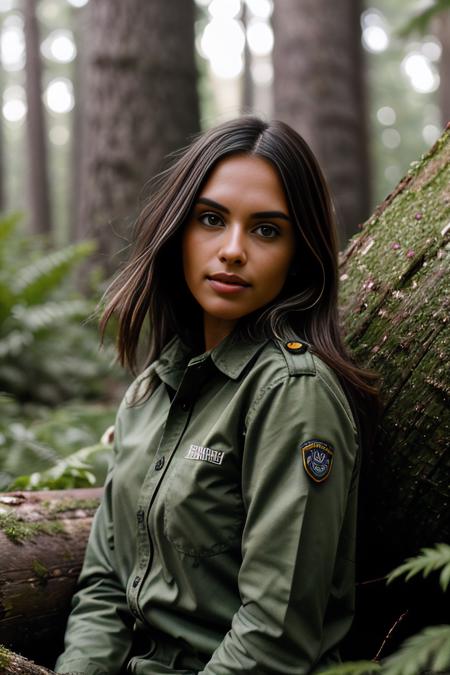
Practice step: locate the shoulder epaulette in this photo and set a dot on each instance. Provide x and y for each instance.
(298, 357)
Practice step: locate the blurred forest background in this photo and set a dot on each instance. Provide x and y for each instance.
(97, 93)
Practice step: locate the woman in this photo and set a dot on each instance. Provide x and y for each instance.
(224, 543)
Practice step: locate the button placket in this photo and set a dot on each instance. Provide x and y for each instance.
(173, 431)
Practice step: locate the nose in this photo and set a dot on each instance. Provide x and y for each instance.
(232, 246)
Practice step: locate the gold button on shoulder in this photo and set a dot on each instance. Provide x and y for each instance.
(297, 347)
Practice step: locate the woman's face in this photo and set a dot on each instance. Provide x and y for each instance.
(239, 242)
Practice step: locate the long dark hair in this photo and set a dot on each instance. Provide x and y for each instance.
(152, 288)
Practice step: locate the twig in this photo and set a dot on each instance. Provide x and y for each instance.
(371, 581)
(389, 635)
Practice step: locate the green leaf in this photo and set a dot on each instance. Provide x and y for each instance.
(35, 281)
(419, 23)
(73, 471)
(14, 343)
(353, 668)
(44, 316)
(429, 649)
(429, 560)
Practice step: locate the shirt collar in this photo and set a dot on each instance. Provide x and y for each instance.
(230, 356)
(234, 353)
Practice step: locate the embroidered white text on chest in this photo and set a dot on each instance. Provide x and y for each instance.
(204, 454)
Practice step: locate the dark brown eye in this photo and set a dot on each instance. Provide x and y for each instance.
(211, 219)
(267, 231)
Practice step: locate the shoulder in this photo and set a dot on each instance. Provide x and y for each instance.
(291, 371)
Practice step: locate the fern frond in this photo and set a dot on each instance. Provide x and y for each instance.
(39, 317)
(429, 560)
(14, 343)
(33, 282)
(73, 471)
(429, 649)
(353, 668)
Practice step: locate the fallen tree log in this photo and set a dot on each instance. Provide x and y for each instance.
(14, 664)
(43, 537)
(395, 299)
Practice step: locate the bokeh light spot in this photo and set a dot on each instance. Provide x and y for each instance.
(386, 115)
(59, 95)
(260, 38)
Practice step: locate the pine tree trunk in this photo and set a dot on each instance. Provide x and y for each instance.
(43, 536)
(140, 103)
(319, 90)
(39, 198)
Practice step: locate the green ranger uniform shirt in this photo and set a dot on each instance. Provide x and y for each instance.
(224, 543)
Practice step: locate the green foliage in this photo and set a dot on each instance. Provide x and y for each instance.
(85, 468)
(34, 439)
(420, 22)
(429, 560)
(427, 651)
(46, 353)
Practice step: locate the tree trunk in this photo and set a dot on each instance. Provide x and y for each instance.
(43, 536)
(395, 300)
(319, 90)
(140, 103)
(39, 199)
(79, 19)
(247, 94)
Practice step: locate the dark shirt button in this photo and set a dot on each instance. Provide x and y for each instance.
(184, 405)
(140, 516)
(159, 464)
(136, 581)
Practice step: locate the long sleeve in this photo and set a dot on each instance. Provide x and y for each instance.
(98, 635)
(297, 574)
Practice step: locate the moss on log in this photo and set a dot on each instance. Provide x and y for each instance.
(15, 664)
(395, 300)
(43, 536)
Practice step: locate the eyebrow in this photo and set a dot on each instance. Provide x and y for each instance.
(258, 214)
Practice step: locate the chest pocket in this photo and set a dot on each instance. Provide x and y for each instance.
(203, 511)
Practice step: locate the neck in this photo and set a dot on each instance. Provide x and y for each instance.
(215, 330)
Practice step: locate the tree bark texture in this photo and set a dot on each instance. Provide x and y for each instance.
(140, 103)
(39, 198)
(15, 664)
(319, 90)
(43, 537)
(395, 301)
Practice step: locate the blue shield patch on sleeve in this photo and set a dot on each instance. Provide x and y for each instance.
(317, 458)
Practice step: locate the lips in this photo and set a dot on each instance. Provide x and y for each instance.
(231, 279)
